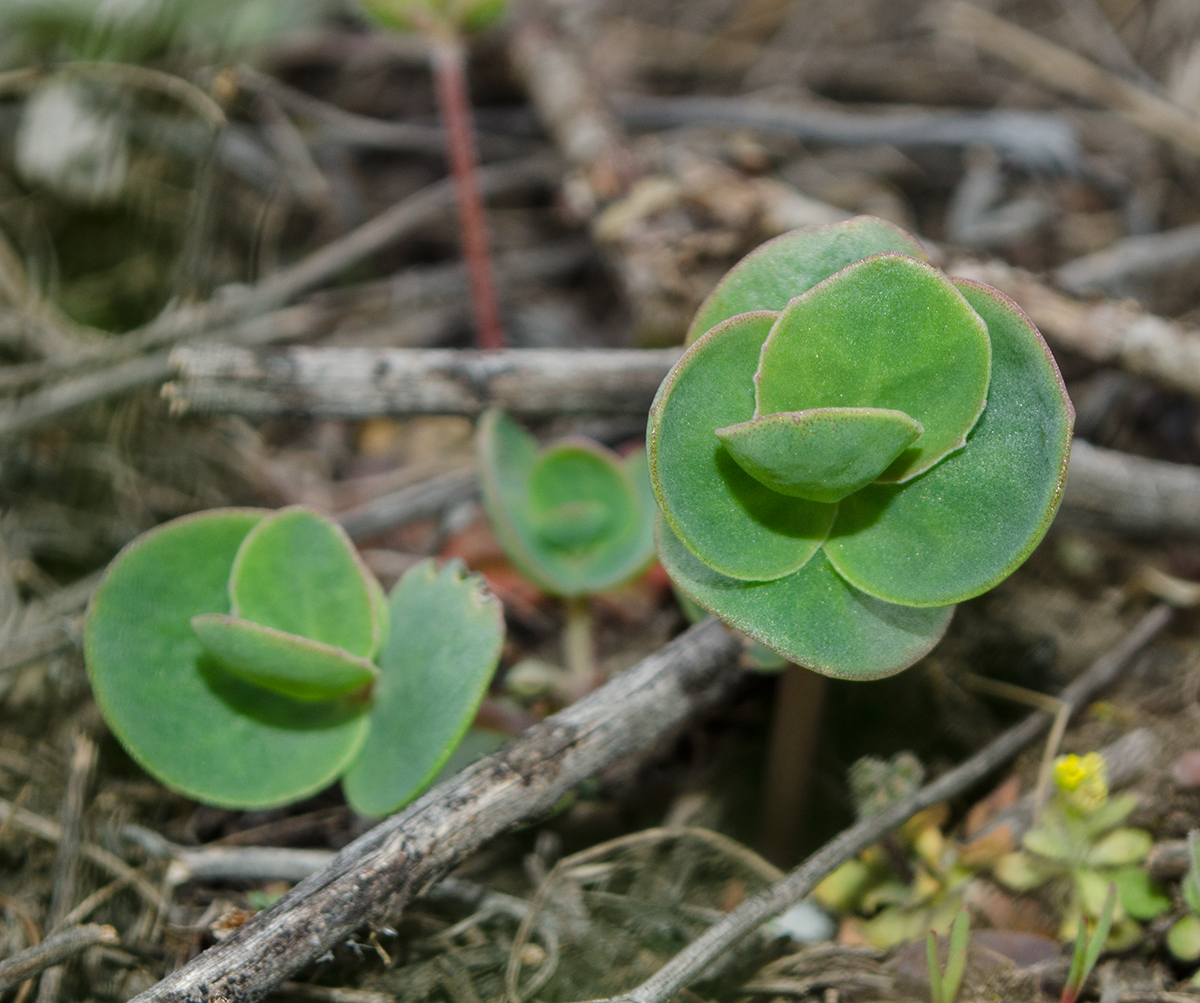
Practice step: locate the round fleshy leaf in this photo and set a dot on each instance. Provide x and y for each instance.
(532, 497)
(781, 269)
(579, 497)
(822, 455)
(446, 635)
(731, 521)
(889, 332)
(289, 664)
(194, 726)
(812, 617)
(974, 518)
(298, 572)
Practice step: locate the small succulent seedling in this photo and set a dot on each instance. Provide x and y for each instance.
(573, 517)
(444, 24)
(248, 658)
(1183, 939)
(1080, 849)
(943, 986)
(1088, 949)
(852, 444)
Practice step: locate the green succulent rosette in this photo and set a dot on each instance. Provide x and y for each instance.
(851, 444)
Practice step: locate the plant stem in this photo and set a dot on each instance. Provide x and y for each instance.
(579, 647)
(796, 718)
(454, 106)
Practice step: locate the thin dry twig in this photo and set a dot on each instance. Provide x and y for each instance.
(692, 961)
(1067, 71)
(52, 951)
(400, 858)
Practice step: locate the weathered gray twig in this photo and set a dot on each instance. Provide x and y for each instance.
(1035, 139)
(406, 504)
(358, 382)
(52, 951)
(1116, 491)
(127, 369)
(66, 859)
(705, 949)
(1162, 349)
(400, 858)
(1131, 258)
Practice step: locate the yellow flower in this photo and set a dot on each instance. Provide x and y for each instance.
(1083, 780)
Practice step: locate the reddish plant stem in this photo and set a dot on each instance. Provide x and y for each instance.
(454, 106)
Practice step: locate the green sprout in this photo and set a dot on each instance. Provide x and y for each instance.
(1088, 949)
(1183, 939)
(573, 517)
(1080, 849)
(943, 987)
(248, 658)
(852, 444)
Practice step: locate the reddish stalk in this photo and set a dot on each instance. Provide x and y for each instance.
(454, 105)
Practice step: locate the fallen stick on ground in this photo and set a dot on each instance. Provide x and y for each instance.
(1118, 492)
(125, 369)
(1061, 68)
(1119, 333)
(1037, 140)
(691, 962)
(363, 382)
(1136, 257)
(400, 858)
(53, 951)
(416, 501)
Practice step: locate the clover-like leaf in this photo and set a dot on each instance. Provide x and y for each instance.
(1183, 939)
(733, 522)
(447, 632)
(298, 572)
(286, 663)
(791, 264)
(823, 454)
(1022, 872)
(186, 720)
(574, 517)
(887, 332)
(811, 617)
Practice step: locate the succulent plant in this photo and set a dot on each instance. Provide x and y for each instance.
(248, 658)
(851, 444)
(1183, 938)
(1079, 849)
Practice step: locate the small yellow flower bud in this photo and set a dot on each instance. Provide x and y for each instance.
(1082, 781)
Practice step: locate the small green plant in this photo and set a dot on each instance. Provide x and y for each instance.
(1079, 849)
(248, 658)
(573, 517)
(1183, 939)
(852, 444)
(910, 882)
(1088, 949)
(444, 24)
(943, 987)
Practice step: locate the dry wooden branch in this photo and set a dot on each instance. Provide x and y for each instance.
(1107, 489)
(358, 382)
(1120, 333)
(53, 951)
(1060, 68)
(1035, 139)
(416, 501)
(748, 917)
(383, 870)
(1132, 257)
(127, 370)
